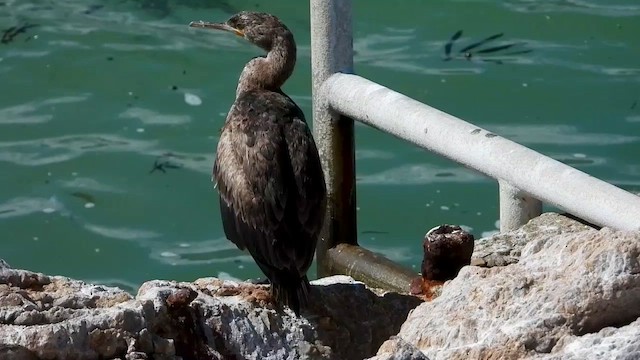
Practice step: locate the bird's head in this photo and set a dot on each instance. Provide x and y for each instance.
(261, 29)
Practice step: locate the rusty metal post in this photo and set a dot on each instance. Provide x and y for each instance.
(331, 52)
(372, 269)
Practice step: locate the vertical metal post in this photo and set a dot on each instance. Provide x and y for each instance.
(516, 207)
(331, 52)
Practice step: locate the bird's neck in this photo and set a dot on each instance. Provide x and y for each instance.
(271, 71)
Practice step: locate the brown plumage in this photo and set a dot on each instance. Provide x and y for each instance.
(267, 168)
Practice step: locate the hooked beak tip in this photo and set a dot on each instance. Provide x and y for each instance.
(216, 26)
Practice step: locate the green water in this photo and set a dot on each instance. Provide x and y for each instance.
(99, 91)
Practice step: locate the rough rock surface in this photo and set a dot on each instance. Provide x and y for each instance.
(504, 249)
(397, 349)
(51, 317)
(569, 292)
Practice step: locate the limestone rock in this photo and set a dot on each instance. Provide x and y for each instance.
(505, 249)
(52, 317)
(397, 349)
(608, 343)
(573, 291)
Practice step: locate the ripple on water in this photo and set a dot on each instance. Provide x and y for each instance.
(558, 134)
(150, 117)
(397, 254)
(53, 150)
(213, 251)
(122, 233)
(21, 206)
(390, 50)
(90, 184)
(24, 113)
(579, 160)
(420, 174)
(226, 276)
(621, 71)
(68, 44)
(365, 154)
(391, 45)
(600, 8)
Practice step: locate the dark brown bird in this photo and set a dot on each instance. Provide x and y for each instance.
(267, 168)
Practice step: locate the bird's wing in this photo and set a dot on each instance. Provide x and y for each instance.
(310, 187)
(255, 182)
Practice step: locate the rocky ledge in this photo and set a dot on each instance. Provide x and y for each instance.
(566, 291)
(52, 317)
(554, 289)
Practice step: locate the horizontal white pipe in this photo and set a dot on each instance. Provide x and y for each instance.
(544, 178)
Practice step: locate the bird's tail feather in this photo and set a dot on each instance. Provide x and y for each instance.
(293, 293)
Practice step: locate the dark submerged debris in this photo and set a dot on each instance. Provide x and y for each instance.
(163, 165)
(9, 34)
(449, 45)
(469, 52)
(92, 8)
(88, 198)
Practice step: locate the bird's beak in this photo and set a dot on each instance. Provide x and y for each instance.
(216, 26)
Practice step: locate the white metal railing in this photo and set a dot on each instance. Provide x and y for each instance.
(526, 177)
(512, 164)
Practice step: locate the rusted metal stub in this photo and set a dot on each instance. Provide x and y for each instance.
(447, 248)
(427, 290)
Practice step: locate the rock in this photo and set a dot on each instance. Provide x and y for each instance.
(397, 349)
(505, 249)
(52, 317)
(569, 291)
(608, 343)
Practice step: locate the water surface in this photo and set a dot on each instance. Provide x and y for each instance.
(110, 113)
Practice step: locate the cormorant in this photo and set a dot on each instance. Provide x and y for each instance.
(267, 169)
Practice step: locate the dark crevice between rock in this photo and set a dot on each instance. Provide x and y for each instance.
(581, 221)
(542, 346)
(190, 340)
(16, 352)
(357, 340)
